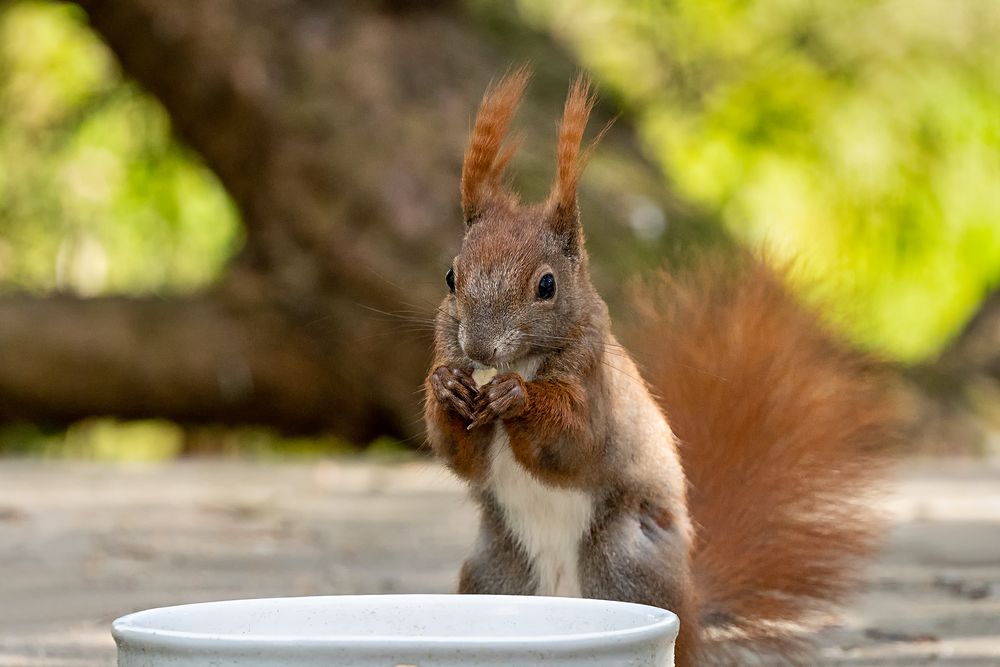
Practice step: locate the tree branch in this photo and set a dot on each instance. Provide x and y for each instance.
(196, 359)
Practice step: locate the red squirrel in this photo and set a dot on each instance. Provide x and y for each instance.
(730, 489)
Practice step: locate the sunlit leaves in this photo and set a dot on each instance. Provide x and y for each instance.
(95, 194)
(860, 136)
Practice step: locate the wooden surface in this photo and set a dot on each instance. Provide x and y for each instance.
(83, 543)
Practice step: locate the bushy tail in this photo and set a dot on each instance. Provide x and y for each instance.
(784, 431)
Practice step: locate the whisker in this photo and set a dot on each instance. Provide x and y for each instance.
(411, 318)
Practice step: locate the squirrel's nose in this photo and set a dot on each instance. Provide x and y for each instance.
(484, 355)
(484, 352)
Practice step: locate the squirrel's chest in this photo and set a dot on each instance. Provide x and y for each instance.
(547, 522)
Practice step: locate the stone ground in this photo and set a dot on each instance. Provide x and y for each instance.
(82, 543)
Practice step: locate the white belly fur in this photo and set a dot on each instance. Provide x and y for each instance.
(548, 522)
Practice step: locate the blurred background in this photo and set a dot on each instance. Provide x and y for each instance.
(225, 224)
(221, 223)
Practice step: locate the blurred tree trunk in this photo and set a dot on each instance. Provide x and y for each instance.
(338, 129)
(976, 350)
(957, 395)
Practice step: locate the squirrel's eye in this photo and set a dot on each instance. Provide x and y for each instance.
(547, 286)
(450, 279)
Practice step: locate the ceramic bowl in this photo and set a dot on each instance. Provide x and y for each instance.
(398, 631)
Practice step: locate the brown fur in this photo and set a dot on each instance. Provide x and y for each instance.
(464, 450)
(783, 434)
(755, 518)
(486, 157)
(571, 159)
(556, 413)
(569, 165)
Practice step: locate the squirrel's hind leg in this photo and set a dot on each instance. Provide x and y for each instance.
(498, 564)
(638, 557)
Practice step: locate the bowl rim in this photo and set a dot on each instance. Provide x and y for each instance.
(129, 632)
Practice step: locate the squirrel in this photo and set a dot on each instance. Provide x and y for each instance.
(730, 489)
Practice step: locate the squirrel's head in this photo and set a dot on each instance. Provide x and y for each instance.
(520, 283)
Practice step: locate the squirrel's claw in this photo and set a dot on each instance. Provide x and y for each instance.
(504, 396)
(452, 389)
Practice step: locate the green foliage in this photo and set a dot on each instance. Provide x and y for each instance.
(103, 439)
(95, 194)
(861, 137)
(96, 439)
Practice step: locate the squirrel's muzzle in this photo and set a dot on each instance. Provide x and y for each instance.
(483, 352)
(485, 340)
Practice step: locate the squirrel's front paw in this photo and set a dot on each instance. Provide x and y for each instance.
(455, 389)
(503, 397)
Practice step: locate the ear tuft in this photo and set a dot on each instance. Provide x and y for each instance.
(570, 159)
(486, 157)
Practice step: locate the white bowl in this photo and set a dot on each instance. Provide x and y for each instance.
(398, 630)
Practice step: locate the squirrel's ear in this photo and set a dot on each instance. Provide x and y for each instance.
(565, 220)
(486, 157)
(570, 159)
